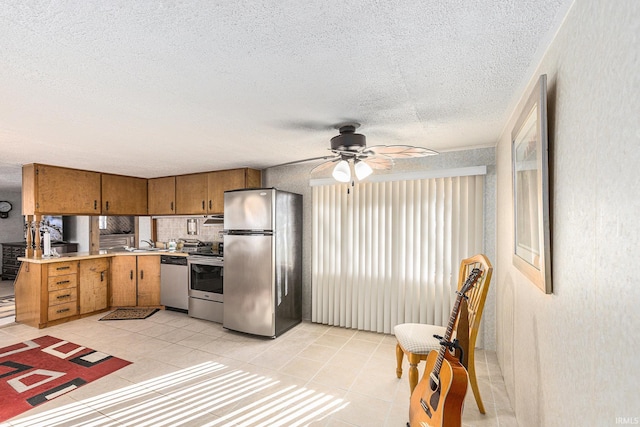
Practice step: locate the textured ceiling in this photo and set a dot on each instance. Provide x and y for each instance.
(151, 88)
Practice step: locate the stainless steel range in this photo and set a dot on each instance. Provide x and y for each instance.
(206, 272)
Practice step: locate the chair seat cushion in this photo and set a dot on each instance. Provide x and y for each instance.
(418, 338)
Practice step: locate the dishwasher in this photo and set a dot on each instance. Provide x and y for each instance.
(174, 282)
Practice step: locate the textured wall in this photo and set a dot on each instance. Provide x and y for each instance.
(296, 179)
(571, 358)
(176, 228)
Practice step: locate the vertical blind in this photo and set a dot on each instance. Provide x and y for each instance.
(388, 252)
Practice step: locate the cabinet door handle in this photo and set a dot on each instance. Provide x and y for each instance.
(141, 274)
(63, 310)
(95, 205)
(62, 282)
(171, 206)
(63, 296)
(131, 275)
(209, 204)
(203, 205)
(102, 276)
(107, 205)
(63, 268)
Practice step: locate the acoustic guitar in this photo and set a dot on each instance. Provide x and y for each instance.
(438, 398)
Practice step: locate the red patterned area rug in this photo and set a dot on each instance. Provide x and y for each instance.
(38, 370)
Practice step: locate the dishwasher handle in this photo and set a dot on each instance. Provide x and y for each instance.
(173, 260)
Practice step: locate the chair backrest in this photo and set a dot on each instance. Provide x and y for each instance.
(476, 295)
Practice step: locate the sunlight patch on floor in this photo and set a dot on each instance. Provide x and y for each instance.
(210, 394)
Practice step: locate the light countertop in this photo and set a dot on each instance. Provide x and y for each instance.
(77, 256)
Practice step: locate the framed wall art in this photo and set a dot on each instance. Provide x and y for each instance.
(530, 166)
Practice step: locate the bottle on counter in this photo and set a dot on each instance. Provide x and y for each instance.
(172, 245)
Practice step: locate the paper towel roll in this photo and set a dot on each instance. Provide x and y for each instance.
(46, 243)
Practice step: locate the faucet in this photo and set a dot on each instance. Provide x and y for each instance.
(149, 242)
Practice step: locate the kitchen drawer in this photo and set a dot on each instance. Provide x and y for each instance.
(62, 268)
(62, 282)
(63, 310)
(62, 296)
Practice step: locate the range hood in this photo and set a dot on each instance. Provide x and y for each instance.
(213, 220)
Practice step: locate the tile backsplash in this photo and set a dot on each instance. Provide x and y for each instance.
(176, 228)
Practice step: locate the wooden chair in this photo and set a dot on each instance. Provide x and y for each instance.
(416, 340)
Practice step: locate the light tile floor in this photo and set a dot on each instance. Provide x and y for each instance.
(187, 371)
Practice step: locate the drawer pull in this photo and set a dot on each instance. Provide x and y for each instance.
(63, 282)
(63, 296)
(63, 310)
(63, 268)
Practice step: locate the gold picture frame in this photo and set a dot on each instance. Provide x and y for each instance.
(530, 166)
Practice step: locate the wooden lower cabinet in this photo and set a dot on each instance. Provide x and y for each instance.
(135, 281)
(61, 290)
(148, 280)
(93, 285)
(124, 274)
(56, 292)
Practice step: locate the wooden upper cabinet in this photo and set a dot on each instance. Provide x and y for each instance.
(225, 180)
(123, 195)
(162, 196)
(191, 194)
(56, 190)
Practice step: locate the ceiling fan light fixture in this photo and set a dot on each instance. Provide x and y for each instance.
(362, 169)
(342, 171)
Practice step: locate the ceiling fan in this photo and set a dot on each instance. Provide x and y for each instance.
(350, 152)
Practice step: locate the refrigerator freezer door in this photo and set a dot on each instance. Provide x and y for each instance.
(249, 284)
(249, 210)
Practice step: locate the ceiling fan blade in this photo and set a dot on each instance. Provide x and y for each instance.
(325, 165)
(295, 162)
(379, 162)
(400, 151)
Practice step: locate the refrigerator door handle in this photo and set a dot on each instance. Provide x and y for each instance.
(247, 232)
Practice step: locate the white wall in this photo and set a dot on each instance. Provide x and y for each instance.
(78, 232)
(296, 179)
(571, 358)
(12, 227)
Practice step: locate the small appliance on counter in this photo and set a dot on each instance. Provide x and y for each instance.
(263, 261)
(195, 245)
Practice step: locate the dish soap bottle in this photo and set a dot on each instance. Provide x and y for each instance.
(172, 245)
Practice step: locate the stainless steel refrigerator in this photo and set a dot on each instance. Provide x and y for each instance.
(262, 261)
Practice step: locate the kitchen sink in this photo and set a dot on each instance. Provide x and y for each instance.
(135, 250)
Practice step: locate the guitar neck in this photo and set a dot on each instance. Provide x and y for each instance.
(449, 333)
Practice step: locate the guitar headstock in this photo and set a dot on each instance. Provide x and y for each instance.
(473, 277)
